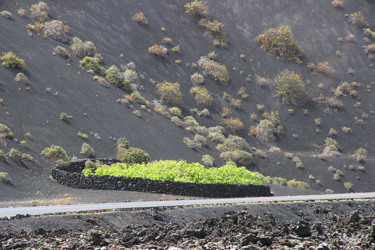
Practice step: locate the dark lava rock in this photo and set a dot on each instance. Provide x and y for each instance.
(354, 217)
(302, 229)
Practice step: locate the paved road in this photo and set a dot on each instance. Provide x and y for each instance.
(40, 210)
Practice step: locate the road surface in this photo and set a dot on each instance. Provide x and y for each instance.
(40, 210)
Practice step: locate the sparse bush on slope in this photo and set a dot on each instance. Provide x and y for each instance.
(216, 70)
(55, 30)
(170, 92)
(133, 155)
(4, 177)
(39, 11)
(290, 88)
(56, 154)
(280, 43)
(11, 60)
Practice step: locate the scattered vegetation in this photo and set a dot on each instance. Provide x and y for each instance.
(198, 9)
(290, 88)
(140, 18)
(216, 70)
(87, 150)
(214, 29)
(4, 177)
(170, 92)
(11, 60)
(92, 63)
(56, 154)
(298, 184)
(15, 155)
(280, 43)
(201, 96)
(181, 171)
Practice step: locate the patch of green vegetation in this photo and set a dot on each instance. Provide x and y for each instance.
(87, 150)
(358, 18)
(92, 63)
(170, 92)
(56, 154)
(61, 51)
(133, 155)
(15, 155)
(201, 96)
(290, 88)
(158, 50)
(298, 184)
(181, 171)
(4, 177)
(216, 70)
(280, 43)
(39, 11)
(198, 9)
(10, 59)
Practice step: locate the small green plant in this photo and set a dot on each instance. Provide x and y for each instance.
(64, 116)
(158, 50)
(208, 160)
(331, 169)
(348, 186)
(21, 12)
(11, 60)
(92, 166)
(234, 124)
(122, 143)
(290, 88)
(370, 51)
(318, 121)
(175, 111)
(39, 11)
(56, 154)
(231, 143)
(114, 77)
(298, 162)
(170, 92)
(298, 184)
(346, 130)
(87, 150)
(138, 98)
(216, 30)
(360, 154)
(20, 77)
(329, 191)
(6, 14)
(361, 168)
(197, 78)
(61, 51)
(216, 70)
(280, 43)
(358, 19)
(23, 143)
(198, 9)
(4, 177)
(92, 63)
(15, 155)
(265, 131)
(201, 96)
(82, 135)
(133, 156)
(140, 18)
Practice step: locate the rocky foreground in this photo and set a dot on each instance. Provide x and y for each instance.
(241, 229)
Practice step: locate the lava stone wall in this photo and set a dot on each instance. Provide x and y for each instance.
(71, 176)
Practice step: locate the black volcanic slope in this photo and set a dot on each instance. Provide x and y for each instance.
(315, 24)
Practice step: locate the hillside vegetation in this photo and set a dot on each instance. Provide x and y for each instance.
(282, 88)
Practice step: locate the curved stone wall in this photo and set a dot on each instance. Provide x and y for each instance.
(71, 176)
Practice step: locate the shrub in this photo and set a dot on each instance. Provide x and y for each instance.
(140, 18)
(348, 186)
(55, 30)
(61, 51)
(4, 177)
(298, 184)
(78, 47)
(216, 30)
(6, 14)
(87, 150)
(91, 63)
(216, 134)
(133, 156)
(208, 160)
(122, 143)
(266, 131)
(170, 92)
(92, 166)
(114, 77)
(158, 50)
(240, 157)
(15, 155)
(4, 130)
(370, 51)
(233, 143)
(337, 4)
(216, 70)
(298, 162)
(280, 43)
(90, 50)
(82, 135)
(290, 88)
(175, 111)
(197, 78)
(198, 9)
(324, 67)
(334, 102)
(39, 11)
(56, 154)
(368, 32)
(329, 191)
(64, 116)
(331, 147)
(10, 59)
(20, 77)
(130, 75)
(3, 156)
(201, 96)
(358, 18)
(360, 154)
(234, 124)
(21, 12)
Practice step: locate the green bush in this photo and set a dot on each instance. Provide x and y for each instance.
(208, 160)
(265, 131)
(170, 92)
(216, 30)
(56, 154)
(233, 143)
(4, 130)
(87, 150)
(3, 156)
(201, 96)
(198, 9)
(360, 154)
(298, 184)
(61, 51)
(280, 43)
(39, 11)
(181, 171)
(290, 88)
(92, 165)
(175, 111)
(358, 18)
(116, 78)
(64, 116)
(138, 98)
(91, 63)
(133, 156)
(216, 70)
(10, 59)
(122, 143)
(4, 177)
(240, 157)
(158, 50)
(15, 155)
(78, 47)
(55, 30)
